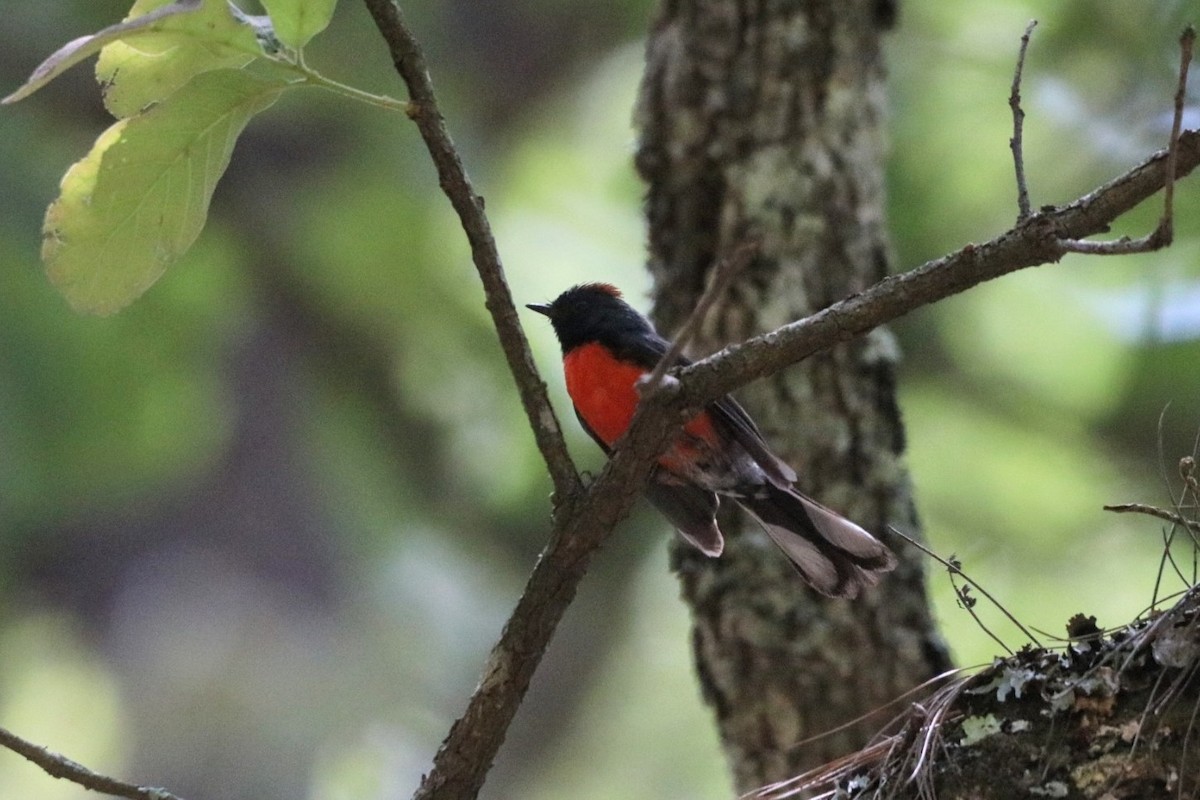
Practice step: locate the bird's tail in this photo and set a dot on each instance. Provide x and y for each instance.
(835, 556)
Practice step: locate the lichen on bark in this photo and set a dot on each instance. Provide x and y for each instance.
(1098, 718)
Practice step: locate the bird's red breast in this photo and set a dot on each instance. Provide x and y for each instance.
(604, 392)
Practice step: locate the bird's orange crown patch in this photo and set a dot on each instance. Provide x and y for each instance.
(607, 288)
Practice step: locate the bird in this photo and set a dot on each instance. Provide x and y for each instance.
(607, 348)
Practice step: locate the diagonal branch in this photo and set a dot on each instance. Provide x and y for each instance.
(1154, 511)
(581, 525)
(452, 176)
(62, 767)
(1035, 241)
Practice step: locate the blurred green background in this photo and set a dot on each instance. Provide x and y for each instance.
(260, 529)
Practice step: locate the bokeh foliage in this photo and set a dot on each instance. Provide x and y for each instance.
(263, 525)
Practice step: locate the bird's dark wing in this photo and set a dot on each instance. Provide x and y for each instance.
(728, 414)
(692, 510)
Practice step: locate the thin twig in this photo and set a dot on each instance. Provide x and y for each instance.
(452, 176)
(1154, 511)
(967, 603)
(723, 274)
(955, 569)
(1187, 41)
(1168, 558)
(1164, 232)
(1018, 114)
(920, 719)
(920, 687)
(62, 767)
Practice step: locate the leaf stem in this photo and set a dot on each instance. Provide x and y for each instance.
(319, 81)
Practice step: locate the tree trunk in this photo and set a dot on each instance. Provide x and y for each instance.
(766, 119)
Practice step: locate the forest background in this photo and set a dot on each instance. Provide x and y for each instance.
(260, 529)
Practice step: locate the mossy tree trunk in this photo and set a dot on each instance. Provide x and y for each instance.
(767, 119)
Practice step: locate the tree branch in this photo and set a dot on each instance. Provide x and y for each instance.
(1034, 241)
(1162, 235)
(583, 520)
(722, 276)
(1016, 143)
(62, 767)
(452, 177)
(1154, 511)
(581, 525)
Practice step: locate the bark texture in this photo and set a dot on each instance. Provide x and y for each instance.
(766, 119)
(1104, 718)
(1080, 724)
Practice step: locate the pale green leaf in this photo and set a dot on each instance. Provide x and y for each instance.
(297, 21)
(77, 50)
(139, 199)
(147, 68)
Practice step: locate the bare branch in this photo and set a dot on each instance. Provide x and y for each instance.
(62, 767)
(581, 525)
(452, 176)
(723, 274)
(954, 567)
(1018, 114)
(1036, 241)
(1187, 41)
(1162, 235)
(1154, 511)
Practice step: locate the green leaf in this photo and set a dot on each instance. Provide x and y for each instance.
(77, 50)
(297, 21)
(138, 200)
(148, 67)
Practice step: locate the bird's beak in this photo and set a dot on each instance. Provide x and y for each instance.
(541, 308)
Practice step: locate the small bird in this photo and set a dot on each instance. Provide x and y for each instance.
(607, 347)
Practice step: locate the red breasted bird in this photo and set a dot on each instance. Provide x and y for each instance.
(607, 347)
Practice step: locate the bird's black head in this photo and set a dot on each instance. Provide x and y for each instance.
(593, 312)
